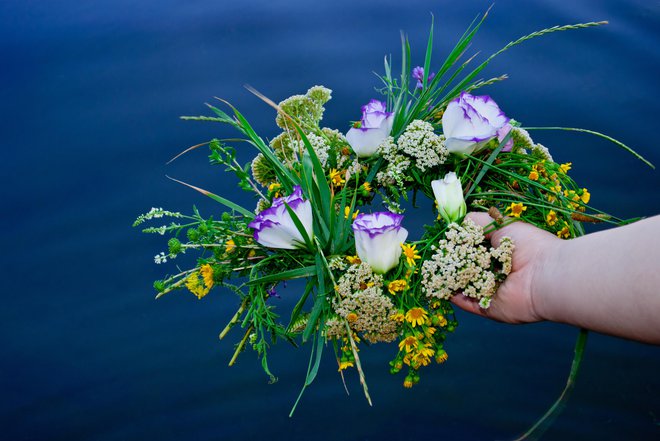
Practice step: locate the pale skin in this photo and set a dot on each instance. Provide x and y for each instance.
(607, 282)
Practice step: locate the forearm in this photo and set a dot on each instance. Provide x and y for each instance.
(607, 281)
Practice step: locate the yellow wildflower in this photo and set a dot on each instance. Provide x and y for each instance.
(347, 211)
(439, 320)
(353, 260)
(207, 275)
(351, 317)
(586, 196)
(441, 356)
(408, 383)
(274, 189)
(409, 343)
(533, 175)
(336, 177)
(345, 365)
(396, 286)
(230, 246)
(366, 186)
(551, 218)
(416, 316)
(411, 253)
(421, 360)
(193, 285)
(429, 331)
(564, 233)
(516, 209)
(397, 317)
(564, 168)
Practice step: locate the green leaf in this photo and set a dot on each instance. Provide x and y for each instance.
(307, 271)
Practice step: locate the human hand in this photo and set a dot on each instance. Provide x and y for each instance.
(515, 301)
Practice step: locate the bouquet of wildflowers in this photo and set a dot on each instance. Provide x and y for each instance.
(330, 208)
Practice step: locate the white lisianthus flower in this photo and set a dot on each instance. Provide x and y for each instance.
(469, 122)
(375, 127)
(378, 239)
(448, 194)
(274, 227)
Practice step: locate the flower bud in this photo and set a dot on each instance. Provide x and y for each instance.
(448, 194)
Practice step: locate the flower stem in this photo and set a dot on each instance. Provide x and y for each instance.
(241, 345)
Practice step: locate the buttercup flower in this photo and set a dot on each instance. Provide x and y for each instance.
(448, 194)
(274, 227)
(378, 238)
(469, 122)
(375, 127)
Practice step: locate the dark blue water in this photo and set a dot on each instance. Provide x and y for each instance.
(90, 98)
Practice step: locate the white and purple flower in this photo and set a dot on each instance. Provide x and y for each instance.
(378, 239)
(418, 74)
(469, 122)
(274, 227)
(375, 127)
(448, 194)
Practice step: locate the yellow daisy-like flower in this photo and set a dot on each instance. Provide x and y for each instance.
(409, 343)
(551, 218)
(345, 365)
(366, 186)
(408, 383)
(429, 331)
(533, 175)
(416, 316)
(421, 360)
(230, 246)
(439, 320)
(207, 275)
(398, 317)
(411, 253)
(564, 168)
(353, 260)
(274, 190)
(347, 211)
(441, 356)
(396, 286)
(351, 317)
(565, 232)
(336, 177)
(516, 209)
(586, 196)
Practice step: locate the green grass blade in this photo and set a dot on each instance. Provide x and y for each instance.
(307, 271)
(602, 135)
(226, 202)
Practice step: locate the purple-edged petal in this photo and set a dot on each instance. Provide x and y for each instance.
(378, 238)
(469, 122)
(274, 226)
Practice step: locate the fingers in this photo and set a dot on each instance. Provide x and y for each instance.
(484, 220)
(467, 304)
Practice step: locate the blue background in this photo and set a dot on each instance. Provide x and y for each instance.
(90, 97)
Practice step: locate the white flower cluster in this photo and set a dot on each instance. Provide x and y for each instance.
(397, 164)
(160, 258)
(461, 263)
(320, 146)
(368, 311)
(422, 145)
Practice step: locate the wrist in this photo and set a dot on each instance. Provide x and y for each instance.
(543, 295)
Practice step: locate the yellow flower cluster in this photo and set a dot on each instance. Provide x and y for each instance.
(396, 286)
(200, 287)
